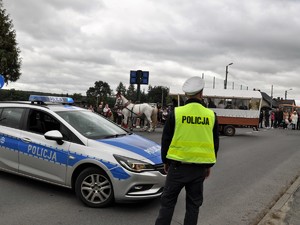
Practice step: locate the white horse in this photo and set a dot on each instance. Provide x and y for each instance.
(131, 111)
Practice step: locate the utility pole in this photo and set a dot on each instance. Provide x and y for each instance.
(226, 74)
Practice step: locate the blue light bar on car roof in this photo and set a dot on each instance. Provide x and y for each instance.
(54, 99)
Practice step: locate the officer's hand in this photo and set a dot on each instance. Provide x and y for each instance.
(166, 167)
(207, 173)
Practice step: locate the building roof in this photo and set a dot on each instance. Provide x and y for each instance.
(287, 101)
(269, 100)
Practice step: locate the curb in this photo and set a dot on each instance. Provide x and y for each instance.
(280, 206)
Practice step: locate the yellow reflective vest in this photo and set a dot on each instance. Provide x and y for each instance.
(193, 136)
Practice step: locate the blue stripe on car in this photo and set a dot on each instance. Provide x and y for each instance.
(137, 144)
(55, 155)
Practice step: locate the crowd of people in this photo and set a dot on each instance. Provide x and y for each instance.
(163, 113)
(104, 109)
(279, 118)
(115, 114)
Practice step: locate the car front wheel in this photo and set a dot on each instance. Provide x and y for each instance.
(94, 188)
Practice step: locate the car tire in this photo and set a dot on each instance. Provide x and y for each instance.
(94, 188)
(229, 130)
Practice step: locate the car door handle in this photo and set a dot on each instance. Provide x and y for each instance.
(26, 140)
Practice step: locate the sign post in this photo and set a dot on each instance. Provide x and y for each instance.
(139, 77)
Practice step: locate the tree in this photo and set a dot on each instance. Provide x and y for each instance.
(77, 97)
(158, 94)
(98, 93)
(143, 97)
(131, 93)
(10, 61)
(121, 88)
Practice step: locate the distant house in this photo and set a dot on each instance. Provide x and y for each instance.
(268, 102)
(287, 101)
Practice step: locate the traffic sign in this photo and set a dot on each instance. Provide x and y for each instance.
(139, 77)
(1, 81)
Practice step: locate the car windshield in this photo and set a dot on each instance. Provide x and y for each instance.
(92, 125)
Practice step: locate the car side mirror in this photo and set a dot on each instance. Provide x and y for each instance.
(54, 135)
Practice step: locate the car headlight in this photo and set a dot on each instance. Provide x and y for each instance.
(133, 164)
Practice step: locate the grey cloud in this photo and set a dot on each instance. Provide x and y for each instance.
(76, 5)
(82, 42)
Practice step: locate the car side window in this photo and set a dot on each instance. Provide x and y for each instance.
(36, 122)
(41, 122)
(11, 117)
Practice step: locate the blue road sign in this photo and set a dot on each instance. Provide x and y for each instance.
(139, 77)
(1, 81)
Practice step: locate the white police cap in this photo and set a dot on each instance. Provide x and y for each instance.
(193, 85)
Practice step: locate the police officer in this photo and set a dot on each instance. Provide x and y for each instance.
(190, 142)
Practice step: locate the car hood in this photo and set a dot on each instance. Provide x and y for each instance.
(146, 148)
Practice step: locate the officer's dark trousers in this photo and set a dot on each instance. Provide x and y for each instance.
(191, 177)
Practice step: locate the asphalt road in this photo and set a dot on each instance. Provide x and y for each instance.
(253, 170)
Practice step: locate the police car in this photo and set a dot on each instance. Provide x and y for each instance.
(50, 139)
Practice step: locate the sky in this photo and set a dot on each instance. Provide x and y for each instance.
(68, 45)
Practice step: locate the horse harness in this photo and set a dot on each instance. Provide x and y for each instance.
(132, 112)
(139, 115)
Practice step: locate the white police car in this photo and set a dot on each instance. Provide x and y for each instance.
(66, 145)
